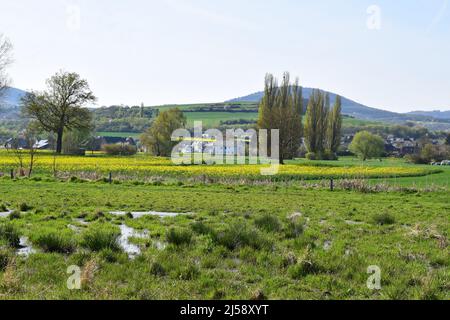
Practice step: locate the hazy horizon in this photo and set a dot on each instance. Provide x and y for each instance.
(392, 56)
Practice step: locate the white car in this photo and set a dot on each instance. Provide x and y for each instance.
(445, 163)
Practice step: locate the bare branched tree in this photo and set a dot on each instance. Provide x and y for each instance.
(5, 61)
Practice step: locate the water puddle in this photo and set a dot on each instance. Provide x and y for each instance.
(137, 215)
(160, 245)
(5, 214)
(74, 228)
(296, 215)
(25, 247)
(81, 221)
(327, 245)
(353, 223)
(126, 233)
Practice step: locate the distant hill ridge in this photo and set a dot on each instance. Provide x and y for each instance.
(11, 97)
(349, 106)
(10, 101)
(435, 114)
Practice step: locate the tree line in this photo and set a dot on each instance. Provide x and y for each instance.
(282, 108)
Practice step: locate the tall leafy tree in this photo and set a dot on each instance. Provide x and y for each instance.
(316, 123)
(60, 107)
(366, 145)
(334, 127)
(281, 108)
(157, 139)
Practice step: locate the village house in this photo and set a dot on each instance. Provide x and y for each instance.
(101, 141)
(204, 145)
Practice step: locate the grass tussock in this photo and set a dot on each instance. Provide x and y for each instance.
(269, 223)
(294, 229)
(50, 240)
(305, 265)
(383, 219)
(15, 215)
(199, 227)
(10, 234)
(240, 235)
(24, 207)
(6, 255)
(157, 269)
(88, 273)
(179, 237)
(97, 239)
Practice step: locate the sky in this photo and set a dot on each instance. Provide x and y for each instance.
(392, 55)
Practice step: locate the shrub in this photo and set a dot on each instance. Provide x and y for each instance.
(179, 237)
(383, 219)
(294, 229)
(112, 256)
(98, 239)
(430, 153)
(187, 273)
(239, 235)
(24, 207)
(311, 156)
(14, 215)
(5, 256)
(306, 265)
(258, 295)
(302, 269)
(157, 269)
(55, 241)
(75, 179)
(200, 228)
(129, 215)
(10, 234)
(3, 207)
(268, 223)
(367, 145)
(120, 149)
(329, 155)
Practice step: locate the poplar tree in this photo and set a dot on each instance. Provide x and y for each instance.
(281, 108)
(334, 127)
(316, 124)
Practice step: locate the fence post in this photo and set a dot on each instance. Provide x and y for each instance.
(110, 177)
(331, 184)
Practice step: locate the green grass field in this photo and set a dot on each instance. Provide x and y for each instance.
(441, 179)
(235, 243)
(231, 240)
(213, 119)
(119, 134)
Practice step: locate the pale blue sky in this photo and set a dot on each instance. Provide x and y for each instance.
(187, 51)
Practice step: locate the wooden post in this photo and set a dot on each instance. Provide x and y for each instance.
(12, 174)
(110, 177)
(331, 184)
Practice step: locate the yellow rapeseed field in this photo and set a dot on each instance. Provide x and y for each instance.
(154, 166)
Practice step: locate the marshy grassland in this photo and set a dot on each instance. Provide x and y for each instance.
(272, 240)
